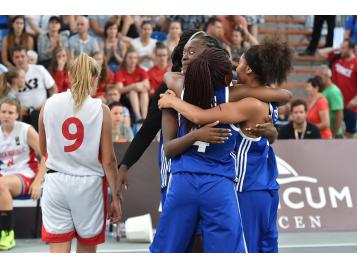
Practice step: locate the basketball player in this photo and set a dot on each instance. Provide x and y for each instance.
(76, 134)
(256, 165)
(19, 171)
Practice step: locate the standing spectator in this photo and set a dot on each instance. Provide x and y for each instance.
(48, 42)
(17, 37)
(11, 82)
(112, 45)
(335, 100)
(157, 72)
(175, 31)
(134, 82)
(59, 68)
(230, 23)
(316, 33)
(121, 130)
(106, 76)
(241, 40)
(82, 41)
(351, 28)
(344, 75)
(39, 84)
(189, 22)
(144, 45)
(318, 108)
(299, 128)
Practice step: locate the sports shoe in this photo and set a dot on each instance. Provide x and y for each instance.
(7, 241)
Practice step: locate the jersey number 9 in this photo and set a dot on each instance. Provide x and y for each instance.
(77, 136)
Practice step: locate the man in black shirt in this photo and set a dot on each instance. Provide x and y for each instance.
(299, 128)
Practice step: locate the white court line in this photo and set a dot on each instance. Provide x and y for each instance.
(319, 245)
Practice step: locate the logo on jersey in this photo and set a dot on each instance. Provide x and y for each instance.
(17, 140)
(30, 85)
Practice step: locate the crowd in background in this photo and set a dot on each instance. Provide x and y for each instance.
(134, 53)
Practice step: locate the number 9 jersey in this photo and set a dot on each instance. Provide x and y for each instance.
(73, 136)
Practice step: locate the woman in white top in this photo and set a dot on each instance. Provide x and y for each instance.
(20, 173)
(76, 134)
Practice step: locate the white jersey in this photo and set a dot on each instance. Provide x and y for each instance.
(144, 50)
(16, 156)
(73, 137)
(38, 80)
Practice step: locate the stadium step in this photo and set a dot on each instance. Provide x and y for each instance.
(281, 31)
(284, 20)
(294, 85)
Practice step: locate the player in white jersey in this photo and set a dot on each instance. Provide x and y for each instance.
(75, 133)
(19, 170)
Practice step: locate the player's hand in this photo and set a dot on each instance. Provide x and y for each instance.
(35, 190)
(123, 177)
(266, 129)
(115, 212)
(167, 99)
(209, 133)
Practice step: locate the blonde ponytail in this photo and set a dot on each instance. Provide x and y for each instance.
(6, 79)
(82, 71)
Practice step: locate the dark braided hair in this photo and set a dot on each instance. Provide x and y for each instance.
(270, 61)
(205, 74)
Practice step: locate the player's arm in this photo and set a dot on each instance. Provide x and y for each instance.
(109, 162)
(33, 141)
(227, 113)
(42, 132)
(239, 92)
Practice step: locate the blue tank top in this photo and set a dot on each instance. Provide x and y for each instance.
(164, 165)
(256, 163)
(205, 158)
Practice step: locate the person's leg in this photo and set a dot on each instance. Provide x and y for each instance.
(350, 118)
(220, 216)
(270, 239)
(64, 247)
(86, 249)
(331, 21)
(144, 104)
(179, 216)
(10, 186)
(316, 33)
(134, 102)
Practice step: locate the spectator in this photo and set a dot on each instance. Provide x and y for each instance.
(97, 24)
(351, 28)
(39, 84)
(252, 24)
(48, 42)
(175, 31)
(241, 41)
(316, 33)
(283, 116)
(344, 75)
(121, 130)
(82, 41)
(189, 22)
(113, 96)
(134, 82)
(17, 37)
(144, 45)
(59, 69)
(335, 100)
(33, 56)
(229, 23)
(318, 109)
(20, 171)
(299, 128)
(112, 45)
(11, 82)
(215, 28)
(106, 77)
(157, 72)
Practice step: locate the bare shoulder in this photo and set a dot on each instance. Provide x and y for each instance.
(174, 81)
(253, 104)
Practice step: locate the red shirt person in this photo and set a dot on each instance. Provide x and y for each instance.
(106, 77)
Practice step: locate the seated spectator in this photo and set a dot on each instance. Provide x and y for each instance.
(33, 56)
(318, 109)
(283, 116)
(82, 41)
(134, 82)
(48, 42)
(59, 69)
(229, 23)
(189, 22)
(343, 63)
(97, 24)
(11, 82)
(121, 130)
(19, 169)
(351, 28)
(144, 45)
(335, 101)
(252, 24)
(299, 128)
(106, 77)
(39, 85)
(215, 28)
(113, 96)
(241, 41)
(17, 37)
(112, 45)
(157, 72)
(175, 31)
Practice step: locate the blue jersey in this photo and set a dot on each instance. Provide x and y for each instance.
(256, 167)
(205, 158)
(164, 165)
